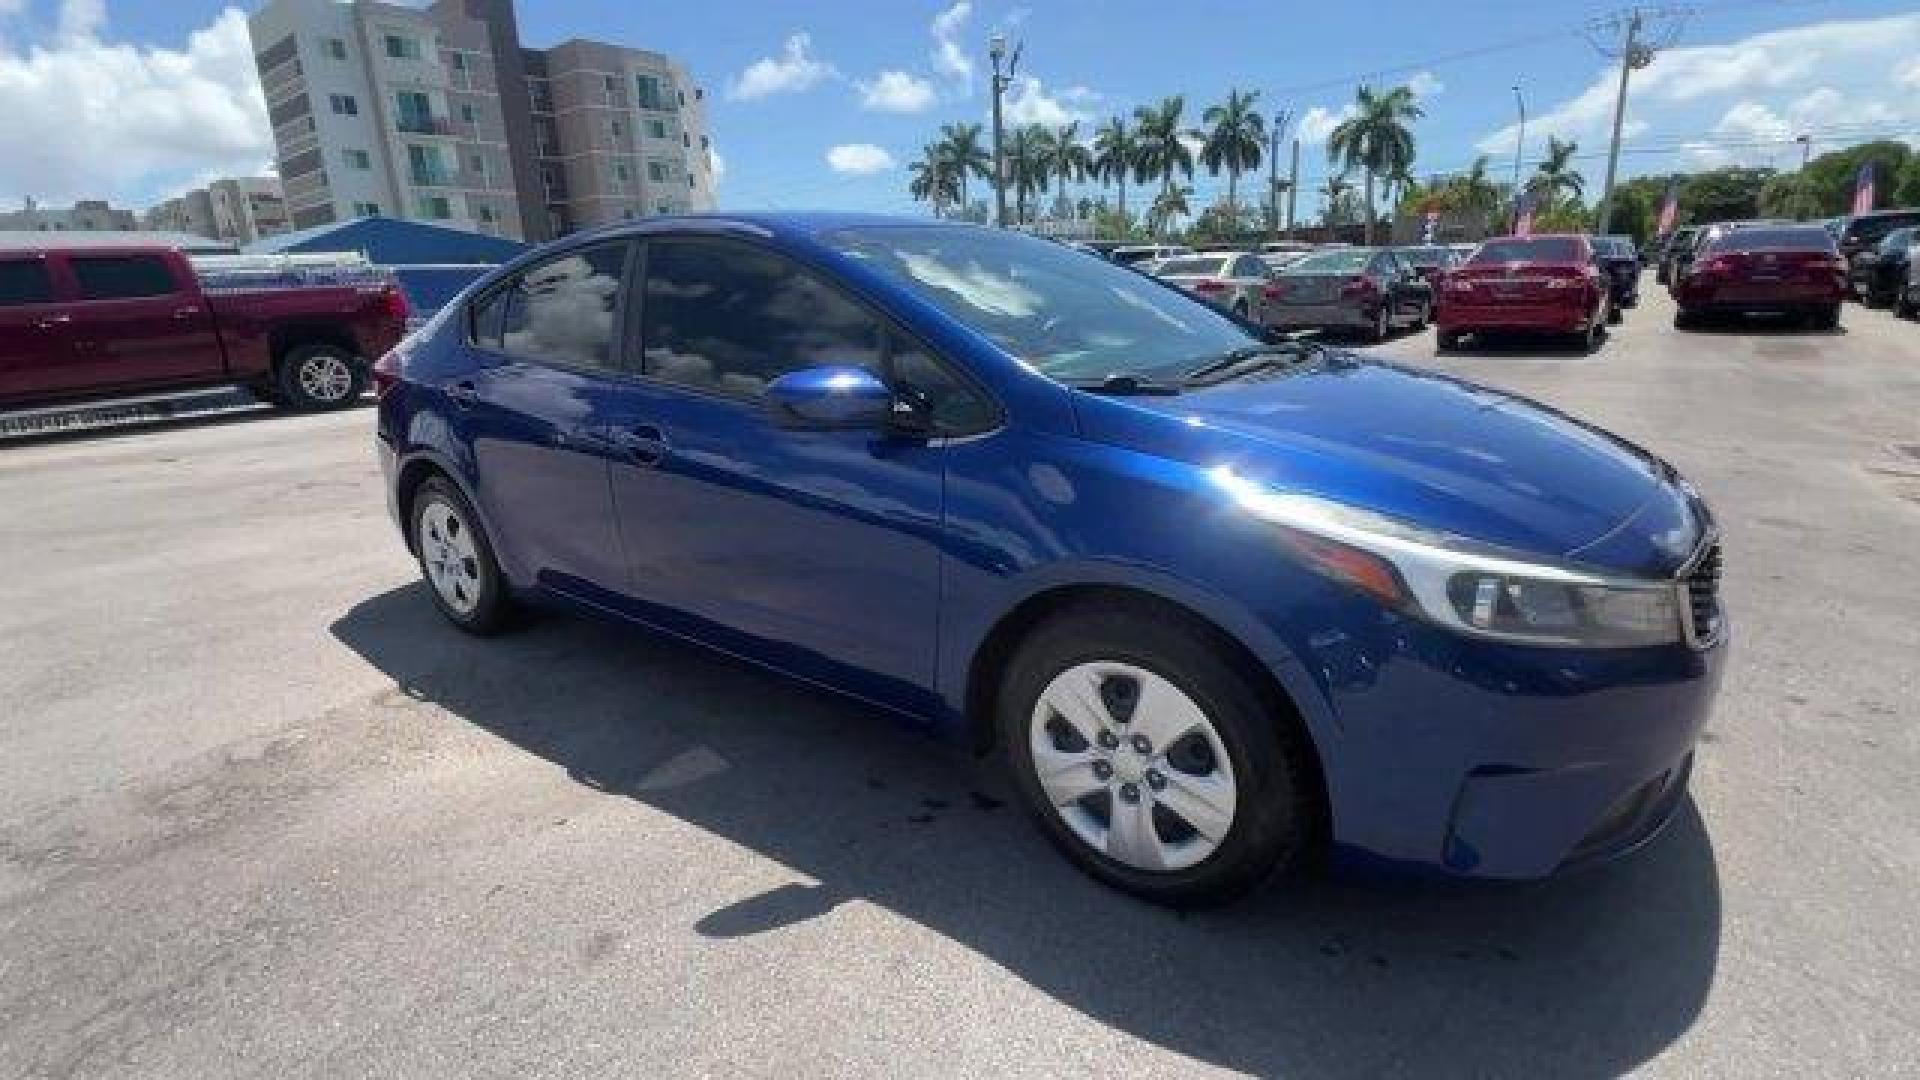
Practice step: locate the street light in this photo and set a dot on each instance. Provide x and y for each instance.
(997, 50)
(1519, 142)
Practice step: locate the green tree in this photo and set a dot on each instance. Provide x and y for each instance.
(1116, 154)
(1376, 139)
(1476, 196)
(1830, 177)
(1163, 149)
(1068, 159)
(1234, 135)
(961, 143)
(1906, 192)
(1724, 194)
(935, 179)
(1171, 203)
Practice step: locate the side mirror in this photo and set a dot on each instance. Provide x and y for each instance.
(837, 397)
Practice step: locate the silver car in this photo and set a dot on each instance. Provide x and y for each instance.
(1233, 280)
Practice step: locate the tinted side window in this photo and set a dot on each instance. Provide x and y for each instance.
(957, 406)
(1248, 266)
(562, 311)
(729, 317)
(24, 281)
(122, 277)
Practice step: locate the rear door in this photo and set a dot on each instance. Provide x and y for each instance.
(136, 324)
(34, 343)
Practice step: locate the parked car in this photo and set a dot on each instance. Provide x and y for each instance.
(1279, 260)
(1285, 247)
(1676, 253)
(1621, 263)
(1542, 284)
(1907, 303)
(81, 323)
(1231, 280)
(1129, 254)
(1876, 274)
(1856, 233)
(1219, 599)
(1793, 269)
(1429, 261)
(1345, 289)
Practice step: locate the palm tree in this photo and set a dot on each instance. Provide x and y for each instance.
(1375, 139)
(1169, 204)
(1116, 153)
(1473, 192)
(962, 147)
(1027, 151)
(1069, 159)
(1234, 135)
(1163, 150)
(935, 179)
(1556, 174)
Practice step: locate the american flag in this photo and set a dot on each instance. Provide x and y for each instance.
(1669, 210)
(1863, 190)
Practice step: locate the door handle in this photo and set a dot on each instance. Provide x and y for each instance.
(463, 394)
(52, 322)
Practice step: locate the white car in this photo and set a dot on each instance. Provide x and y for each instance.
(1132, 254)
(1233, 280)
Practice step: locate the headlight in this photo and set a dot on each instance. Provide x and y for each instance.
(1475, 588)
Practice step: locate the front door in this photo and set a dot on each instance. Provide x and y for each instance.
(135, 324)
(817, 551)
(34, 329)
(533, 408)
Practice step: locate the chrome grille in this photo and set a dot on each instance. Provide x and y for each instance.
(1701, 579)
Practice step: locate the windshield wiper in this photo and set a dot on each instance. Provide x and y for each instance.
(1126, 386)
(1251, 358)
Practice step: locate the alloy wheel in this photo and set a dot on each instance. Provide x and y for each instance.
(1133, 766)
(325, 377)
(450, 556)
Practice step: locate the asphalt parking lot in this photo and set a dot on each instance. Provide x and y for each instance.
(261, 812)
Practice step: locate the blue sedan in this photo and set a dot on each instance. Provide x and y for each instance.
(1228, 604)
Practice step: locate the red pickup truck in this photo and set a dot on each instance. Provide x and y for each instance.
(86, 323)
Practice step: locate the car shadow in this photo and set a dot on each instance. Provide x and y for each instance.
(1588, 976)
(1759, 325)
(1531, 346)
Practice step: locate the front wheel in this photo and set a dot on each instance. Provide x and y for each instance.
(314, 378)
(1446, 340)
(1151, 762)
(1827, 317)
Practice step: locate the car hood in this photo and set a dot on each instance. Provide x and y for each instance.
(1429, 449)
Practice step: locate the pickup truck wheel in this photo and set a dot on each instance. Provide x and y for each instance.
(317, 377)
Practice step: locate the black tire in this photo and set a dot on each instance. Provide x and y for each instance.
(1276, 827)
(492, 609)
(1421, 320)
(1827, 318)
(1382, 327)
(1903, 305)
(319, 377)
(1591, 338)
(1446, 340)
(1685, 318)
(1615, 315)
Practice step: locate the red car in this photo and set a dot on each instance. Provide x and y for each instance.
(1791, 269)
(1525, 284)
(81, 323)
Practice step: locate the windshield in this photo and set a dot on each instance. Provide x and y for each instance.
(1073, 319)
(1424, 257)
(1553, 249)
(1199, 266)
(1344, 261)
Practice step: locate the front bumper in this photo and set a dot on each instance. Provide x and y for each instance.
(1484, 760)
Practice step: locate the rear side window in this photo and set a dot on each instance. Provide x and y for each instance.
(1872, 230)
(122, 277)
(562, 311)
(24, 281)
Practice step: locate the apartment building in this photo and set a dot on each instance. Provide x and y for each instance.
(439, 113)
(238, 209)
(87, 215)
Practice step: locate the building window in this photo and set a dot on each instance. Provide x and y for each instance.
(663, 208)
(657, 171)
(477, 163)
(402, 48)
(357, 159)
(648, 87)
(457, 61)
(617, 128)
(414, 112)
(335, 48)
(621, 172)
(425, 167)
(468, 113)
(343, 105)
(433, 207)
(366, 209)
(486, 214)
(656, 128)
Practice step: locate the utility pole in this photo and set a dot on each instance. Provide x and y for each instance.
(1800, 182)
(997, 49)
(1519, 144)
(1280, 119)
(1635, 53)
(1293, 186)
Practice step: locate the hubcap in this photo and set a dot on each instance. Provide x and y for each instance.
(1132, 766)
(326, 376)
(451, 559)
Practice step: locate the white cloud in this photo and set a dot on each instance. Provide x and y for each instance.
(1764, 89)
(1319, 122)
(84, 116)
(794, 70)
(858, 159)
(1028, 102)
(896, 92)
(1425, 84)
(950, 57)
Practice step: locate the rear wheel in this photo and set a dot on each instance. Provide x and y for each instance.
(1685, 318)
(318, 377)
(457, 559)
(1593, 335)
(1382, 325)
(1827, 317)
(1153, 763)
(1903, 304)
(1446, 340)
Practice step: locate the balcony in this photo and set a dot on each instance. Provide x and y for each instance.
(419, 177)
(424, 125)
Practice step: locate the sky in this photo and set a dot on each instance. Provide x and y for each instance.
(821, 105)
